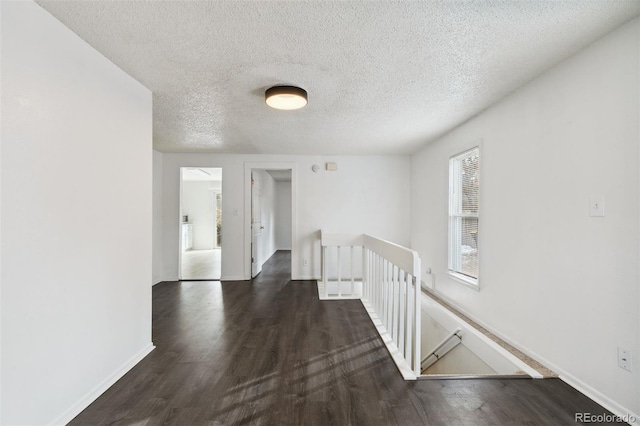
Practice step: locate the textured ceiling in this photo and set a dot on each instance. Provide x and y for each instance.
(382, 77)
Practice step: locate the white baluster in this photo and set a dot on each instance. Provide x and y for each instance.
(378, 286)
(339, 274)
(401, 328)
(382, 298)
(387, 311)
(324, 271)
(365, 274)
(408, 317)
(394, 305)
(351, 264)
(374, 282)
(370, 276)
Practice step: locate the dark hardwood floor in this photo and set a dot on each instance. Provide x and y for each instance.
(269, 352)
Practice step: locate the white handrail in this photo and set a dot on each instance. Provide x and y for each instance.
(406, 259)
(340, 239)
(444, 342)
(388, 286)
(456, 333)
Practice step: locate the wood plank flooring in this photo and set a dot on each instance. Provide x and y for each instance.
(268, 352)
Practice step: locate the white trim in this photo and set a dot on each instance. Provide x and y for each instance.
(181, 173)
(358, 286)
(403, 257)
(306, 278)
(233, 278)
(473, 283)
(596, 395)
(180, 191)
(565, 376)
(93, 394)
(471, 147)
(170, 278)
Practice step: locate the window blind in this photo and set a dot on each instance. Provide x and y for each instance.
(464, 188)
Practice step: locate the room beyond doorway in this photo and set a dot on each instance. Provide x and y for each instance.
(201, 264)
(200, 223)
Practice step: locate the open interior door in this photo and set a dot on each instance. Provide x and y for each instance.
(256, 224)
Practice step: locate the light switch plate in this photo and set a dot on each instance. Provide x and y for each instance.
(596, 206)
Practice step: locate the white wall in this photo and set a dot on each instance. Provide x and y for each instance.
(76, 231)
(283, 216)
(367, 194)
(157, 217)
(198, 202)
(559, 284)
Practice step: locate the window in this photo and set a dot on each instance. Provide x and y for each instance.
(464, 185)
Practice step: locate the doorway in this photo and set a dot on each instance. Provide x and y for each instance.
(270, 221)
(200, 223)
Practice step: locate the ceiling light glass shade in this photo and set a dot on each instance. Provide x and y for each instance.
(286, 97)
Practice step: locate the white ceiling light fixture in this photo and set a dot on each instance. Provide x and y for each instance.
(286, 97)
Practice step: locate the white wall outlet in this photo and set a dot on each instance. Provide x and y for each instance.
(624, 359)
(596, 206)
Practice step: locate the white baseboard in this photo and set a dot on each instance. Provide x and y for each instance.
(170, 278)
(305, 278)
(164, 280)
(329, 291)
(233, 278)
(93, 394)
(566, 377)
(598, 397)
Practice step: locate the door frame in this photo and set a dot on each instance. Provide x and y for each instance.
(270, 165)
(181, 169)
(180, 240)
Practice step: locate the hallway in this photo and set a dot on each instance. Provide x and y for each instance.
(267, 351)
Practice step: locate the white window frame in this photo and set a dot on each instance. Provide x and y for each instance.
(454, 212)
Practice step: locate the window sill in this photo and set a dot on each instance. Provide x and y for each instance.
(463, 279)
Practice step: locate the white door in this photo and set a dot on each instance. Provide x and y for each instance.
(256, 224)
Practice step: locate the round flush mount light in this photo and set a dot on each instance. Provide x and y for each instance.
(286, 97)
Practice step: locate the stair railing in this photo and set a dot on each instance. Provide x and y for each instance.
(386, 278)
